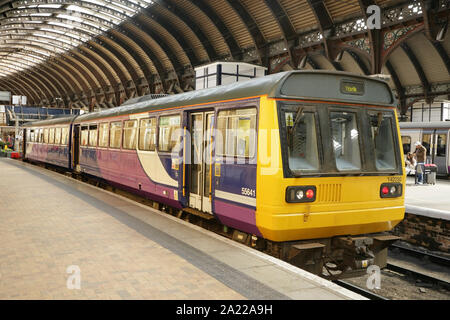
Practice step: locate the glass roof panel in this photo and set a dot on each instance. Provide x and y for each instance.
(34, 30)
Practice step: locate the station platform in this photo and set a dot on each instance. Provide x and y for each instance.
(428, 200)
(57, 233)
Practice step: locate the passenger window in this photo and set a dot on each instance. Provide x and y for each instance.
(169, 132)
(57, 135)
(147, 134)
(46, 135)
(51, 136)
(32, 138)
(426, 140)
(93, 135)
(129, 134)
(84, 135)
(38, 135)
(64, 136)
(345, 137)
(103, 135)
(382, 134)
(28, 135)
(441, 145)
(115, 134)
(406, 143)
(236, 134)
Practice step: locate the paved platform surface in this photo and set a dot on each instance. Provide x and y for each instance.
(428, 200)
(125, 250)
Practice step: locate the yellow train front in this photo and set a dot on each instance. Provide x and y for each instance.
(330, 169)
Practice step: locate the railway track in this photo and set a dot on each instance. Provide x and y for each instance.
(359, 290)
(425, 280)
(440, 260)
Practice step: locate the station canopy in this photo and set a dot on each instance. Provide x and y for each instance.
(100, 53)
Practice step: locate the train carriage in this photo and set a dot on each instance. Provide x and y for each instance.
(49, 141)
(287, 158)
(435, 138)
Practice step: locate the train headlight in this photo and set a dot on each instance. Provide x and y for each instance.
(299, 194)
(390, 190)
(393, 190)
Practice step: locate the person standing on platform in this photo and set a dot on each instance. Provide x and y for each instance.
(410, 164)
(421, 154)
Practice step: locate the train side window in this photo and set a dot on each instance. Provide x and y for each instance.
(57, 135)
(147, 134)
(406, 143)
(37, 135)
(93, 135)
(115, 134)
(426, 141)
(103, 135)
(51, 136)
(345, 137)
(236, 135)
(28, 135)
(84, 135)
(64, 136)
(169, 132)
(46, 135)
(32, 135)
(40, 137)
(129, 134)
(441, 145)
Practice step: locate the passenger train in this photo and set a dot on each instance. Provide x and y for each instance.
(308, 163)
(434, 136)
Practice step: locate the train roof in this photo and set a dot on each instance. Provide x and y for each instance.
(323, 85)
(51, 122)
(425, 125)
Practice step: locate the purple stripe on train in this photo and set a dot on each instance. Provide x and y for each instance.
(236, 216)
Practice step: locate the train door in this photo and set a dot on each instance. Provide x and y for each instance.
(76, 146)
(201, 124)
(24, 142)
(440, 150)
(428, 143)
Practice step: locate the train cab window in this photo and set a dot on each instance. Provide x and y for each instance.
(301, 140)
(103, 134)
(57, 135)
(84, 135)
(115, 134)
(64, 136)
(45, 135)
(147, 134)
(441, 145)
(382, 136)
(129, 134)
(169, 132)
(236, 136)
(93, 135)
(406, 143)
(51, 136)
(345, 136)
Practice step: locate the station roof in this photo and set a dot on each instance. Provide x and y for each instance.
(99, 53)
